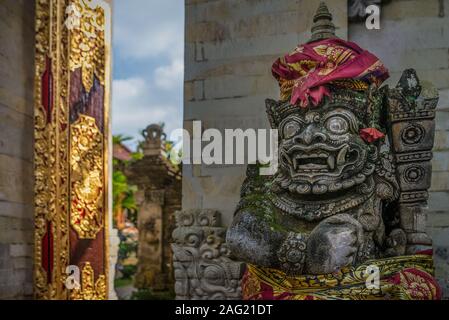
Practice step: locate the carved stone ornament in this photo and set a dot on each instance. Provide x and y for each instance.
(201, 258)
(154, 136)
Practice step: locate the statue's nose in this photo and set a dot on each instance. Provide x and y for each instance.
(311, 135)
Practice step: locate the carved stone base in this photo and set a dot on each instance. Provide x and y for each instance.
(201, 259)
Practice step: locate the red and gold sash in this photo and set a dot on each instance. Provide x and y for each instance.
(400, 278)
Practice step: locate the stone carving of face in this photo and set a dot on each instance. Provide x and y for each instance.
(320, 150)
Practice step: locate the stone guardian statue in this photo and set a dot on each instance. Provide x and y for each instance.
(343, 218)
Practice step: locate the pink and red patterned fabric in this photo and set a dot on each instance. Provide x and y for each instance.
(305, 73)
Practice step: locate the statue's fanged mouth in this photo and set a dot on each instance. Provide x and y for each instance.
(318, 158)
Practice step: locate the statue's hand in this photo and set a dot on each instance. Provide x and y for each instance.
(292, 253)
(333, 244)
(396, 243)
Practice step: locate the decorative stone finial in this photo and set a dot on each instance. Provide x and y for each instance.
(323, 27)
(154, 135)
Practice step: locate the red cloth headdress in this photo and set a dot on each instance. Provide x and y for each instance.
(304, 74)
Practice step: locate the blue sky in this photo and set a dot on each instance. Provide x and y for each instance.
(148, 65)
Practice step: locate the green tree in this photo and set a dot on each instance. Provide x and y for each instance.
(122, 192)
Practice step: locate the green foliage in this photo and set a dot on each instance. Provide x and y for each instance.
(119, 139)
(128, 271)
(126, 248)
(148, 294)
(122, 192)
(118, 283)
(137, 155)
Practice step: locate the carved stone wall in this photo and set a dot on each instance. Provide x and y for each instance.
(201, 259)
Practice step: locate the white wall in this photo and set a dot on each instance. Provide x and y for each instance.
(16, 148)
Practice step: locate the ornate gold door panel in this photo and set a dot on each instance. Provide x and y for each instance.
(72, 84)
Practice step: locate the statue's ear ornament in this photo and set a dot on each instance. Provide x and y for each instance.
(409, 84)
(278, 110)
(271, 106)
(411, 99)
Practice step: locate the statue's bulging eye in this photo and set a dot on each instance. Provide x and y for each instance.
(291, 128)
(337, 125)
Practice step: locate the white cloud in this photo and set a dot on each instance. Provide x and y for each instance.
(149, 43)
(171, 76)
(128, 88)
(133, 108)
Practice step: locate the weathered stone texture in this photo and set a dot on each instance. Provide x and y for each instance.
(203, 268)
(415, 34)
(230, 46)
(16, 148)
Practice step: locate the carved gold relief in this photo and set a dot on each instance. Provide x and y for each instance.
(90, 289)
(63, 174)
(86, 162)
(51, 117)
(87, 46)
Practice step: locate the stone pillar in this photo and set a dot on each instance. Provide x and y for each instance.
(159, 196)
(149, 268)
(412, 133)
(203, 268)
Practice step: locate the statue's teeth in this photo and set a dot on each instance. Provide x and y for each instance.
(331, 162)
(341, 157)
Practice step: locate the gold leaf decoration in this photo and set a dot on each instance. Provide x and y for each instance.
(86, 162)
(86, 22)
(90, 289)
(51, 148)
(70, 159)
